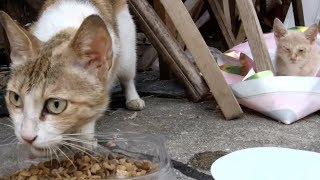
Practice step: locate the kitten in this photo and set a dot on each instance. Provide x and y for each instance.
(297, 53)
(64, 67)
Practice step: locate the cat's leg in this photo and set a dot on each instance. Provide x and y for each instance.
(127, 60)
(133, 100)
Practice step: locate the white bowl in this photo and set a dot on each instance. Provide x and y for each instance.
(267, 163)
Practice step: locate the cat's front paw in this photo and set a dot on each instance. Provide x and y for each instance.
(135, 104)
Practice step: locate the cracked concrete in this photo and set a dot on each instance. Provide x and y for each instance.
(192, 128)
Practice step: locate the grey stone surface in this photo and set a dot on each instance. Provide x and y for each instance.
(192, 128)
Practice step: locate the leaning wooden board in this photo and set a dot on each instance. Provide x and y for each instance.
(167, 46)
(203, 58)
(254, 34)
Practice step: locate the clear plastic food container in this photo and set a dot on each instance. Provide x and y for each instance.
(136, 146)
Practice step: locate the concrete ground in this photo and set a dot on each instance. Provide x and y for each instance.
(193, 128)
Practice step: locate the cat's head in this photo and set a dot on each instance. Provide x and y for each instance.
(294, 47)
(59, 85)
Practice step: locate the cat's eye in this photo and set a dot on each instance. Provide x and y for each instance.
(301, 50)
(56, 106)
(15, 99)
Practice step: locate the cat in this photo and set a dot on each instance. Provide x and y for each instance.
(64, 66)
(297, 53)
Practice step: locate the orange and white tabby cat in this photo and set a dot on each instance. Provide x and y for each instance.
(64, 67)
(297, 53)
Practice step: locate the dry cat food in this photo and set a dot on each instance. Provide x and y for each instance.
(82, 166)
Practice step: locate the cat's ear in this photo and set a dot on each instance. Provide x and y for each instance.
(311, 33)
(279, 29)
(22, 43)
(93, 45)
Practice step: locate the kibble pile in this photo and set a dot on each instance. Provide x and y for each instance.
(82, 166)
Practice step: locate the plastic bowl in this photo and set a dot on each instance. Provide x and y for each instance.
(137, 146)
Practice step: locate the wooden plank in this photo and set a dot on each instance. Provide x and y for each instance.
(285, 8)
(298, 12)
(194, 8)
(254, 34)
(165, 72)
(241, 36)
(203, 58)
(204, 18)
(147, 59)
(226, 31)
(226, 12)
(167, 46)
(233, 15)
(150, 55)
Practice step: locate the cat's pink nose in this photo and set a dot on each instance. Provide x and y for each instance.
(29, 140)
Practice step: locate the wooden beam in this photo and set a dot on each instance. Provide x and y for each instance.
(254, 34)
(165, 73)
(203, 58)
(148, 57)
(298, 12)
(167, 46)
(226, 12)
(225, 29)
(194, 8)
(241, 36)
(204, 18)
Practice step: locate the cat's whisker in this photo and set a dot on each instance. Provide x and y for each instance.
(13, 141)
(66, 157)
(84, 148)
(77, 134)
(46, 152)
(79, 149)
(73, 145)
(79, 140)
(8, 125)
(50, 149)
(6, 139)
(68, 148)
(54, 151)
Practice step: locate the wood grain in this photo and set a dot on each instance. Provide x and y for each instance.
(225, 28)
(298, 12)
(203, 58)
(254, 34)
(167, 46)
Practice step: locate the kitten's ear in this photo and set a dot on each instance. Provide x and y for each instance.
(279, 29)
(311, 33)
(92, 44)
(22, 43)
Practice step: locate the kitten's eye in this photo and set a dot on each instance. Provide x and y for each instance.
(56, 106)
(287, 49)
(15, 99)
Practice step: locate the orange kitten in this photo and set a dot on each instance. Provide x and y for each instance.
(297, 52)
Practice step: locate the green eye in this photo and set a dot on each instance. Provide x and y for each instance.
(15, 99)
(56, 106)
